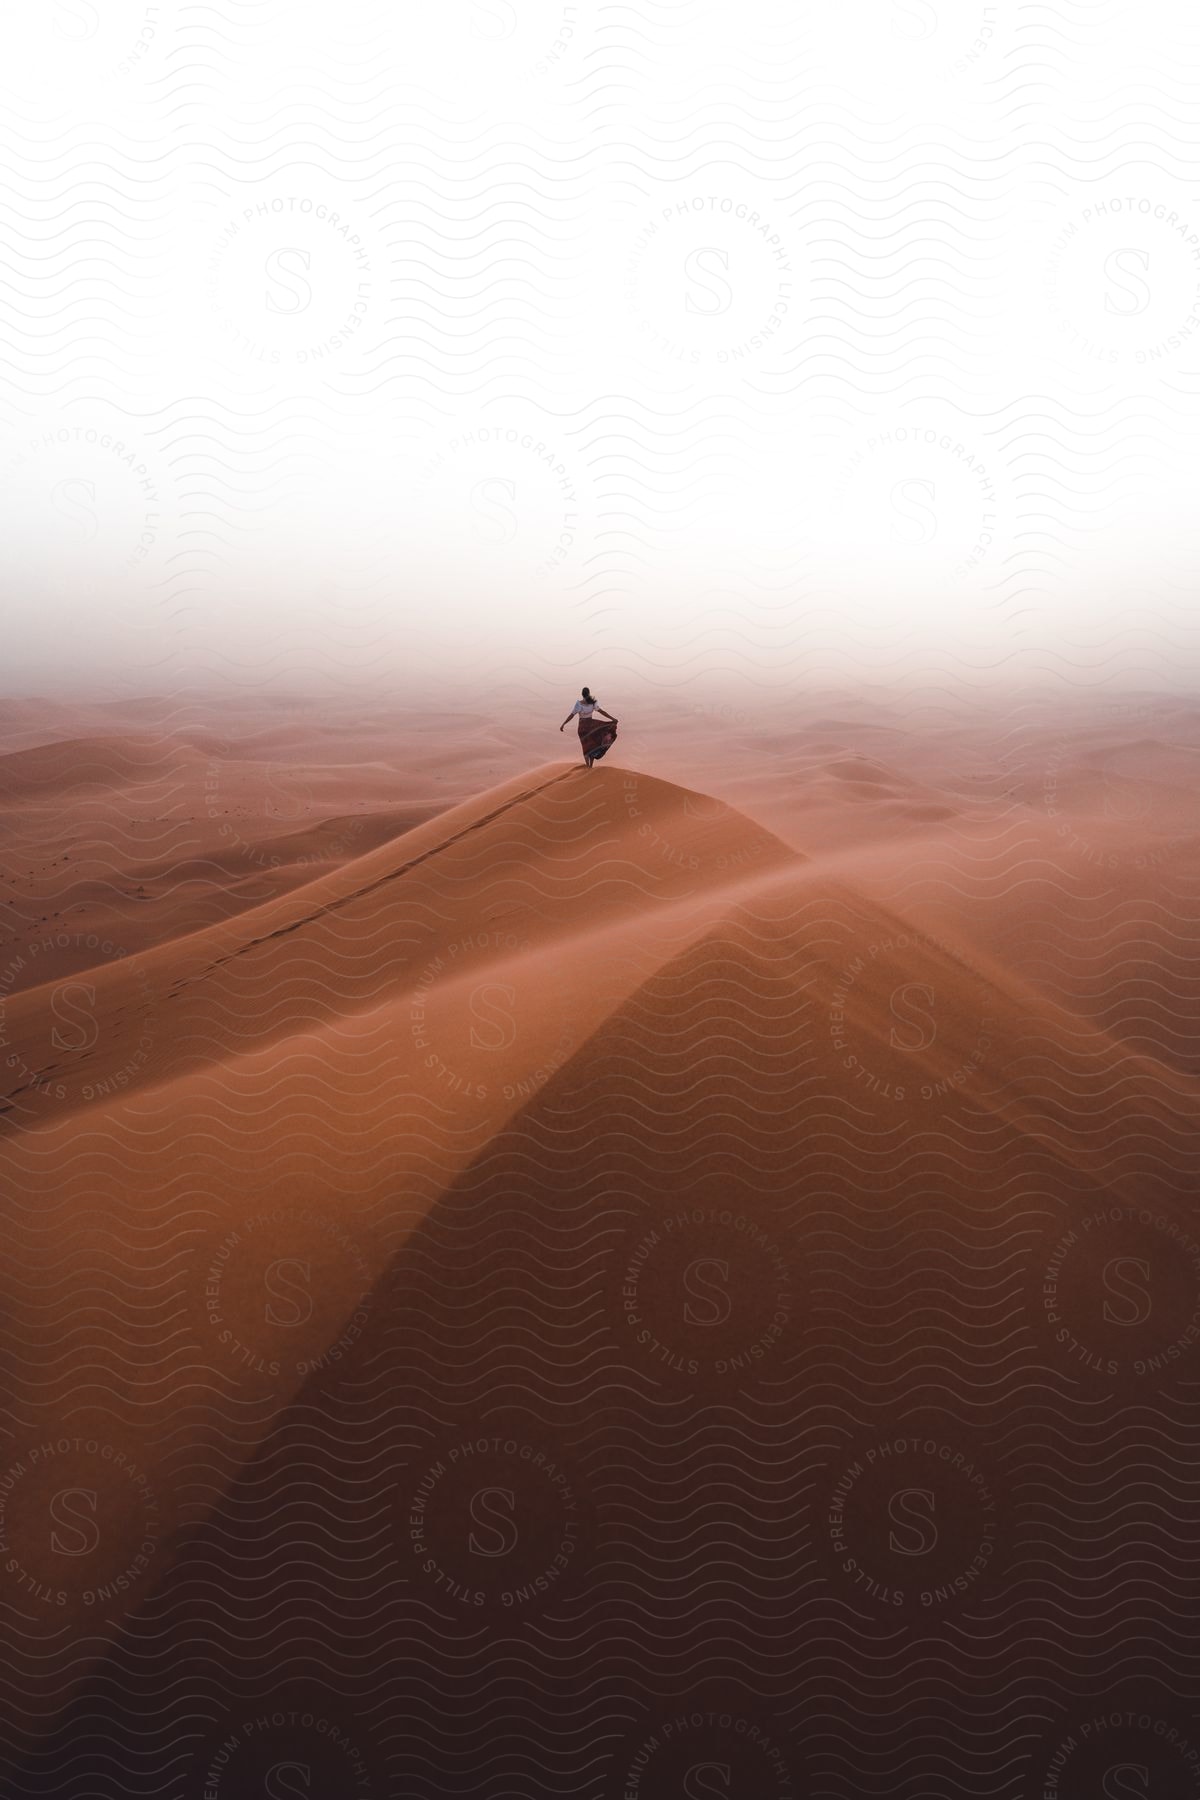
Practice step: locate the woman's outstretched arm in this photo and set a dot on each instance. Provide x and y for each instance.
(566, 721)
(605, 715)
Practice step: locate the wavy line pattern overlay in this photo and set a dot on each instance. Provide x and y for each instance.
(676, 1280)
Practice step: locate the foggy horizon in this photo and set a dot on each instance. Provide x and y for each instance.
(455, 343)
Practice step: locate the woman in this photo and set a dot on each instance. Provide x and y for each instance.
(594, 737)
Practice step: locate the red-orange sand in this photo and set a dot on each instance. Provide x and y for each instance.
(645, 1149)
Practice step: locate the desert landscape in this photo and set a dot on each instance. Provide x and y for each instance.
(673, 1279)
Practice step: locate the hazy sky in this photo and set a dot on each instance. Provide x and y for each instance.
(463, 339)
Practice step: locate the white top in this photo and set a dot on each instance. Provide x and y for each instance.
(585, 707)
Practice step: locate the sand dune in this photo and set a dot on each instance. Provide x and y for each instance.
(170, 830)
(214, 1073)
(559, 856)
(590, 1116)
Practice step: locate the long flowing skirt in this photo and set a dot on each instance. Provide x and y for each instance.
(596, 735)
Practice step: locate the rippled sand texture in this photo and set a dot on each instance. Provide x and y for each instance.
(679, 1279)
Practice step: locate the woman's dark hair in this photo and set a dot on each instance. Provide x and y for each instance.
(587, 694)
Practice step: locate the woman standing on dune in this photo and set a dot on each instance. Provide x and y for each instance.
(594, 736)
